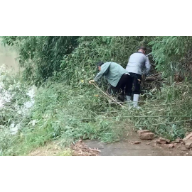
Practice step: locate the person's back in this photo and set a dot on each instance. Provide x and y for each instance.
(116, 76)
(137, 63)
(115, 72)
(137, 66)
(112, 71)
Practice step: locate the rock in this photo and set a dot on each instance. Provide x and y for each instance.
(171, 145)
(187, 133)
(188, 141)
(136, 142)
(188, 144)
(178, 141)
(174, 144)
(146, 135)
(189, 136)
(163, 141)
(142, 131)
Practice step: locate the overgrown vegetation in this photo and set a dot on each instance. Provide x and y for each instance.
(67, 108)
(40, 56)
(167, 113)
(172, 55)
(69, 116)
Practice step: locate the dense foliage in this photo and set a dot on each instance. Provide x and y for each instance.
(172, 54)
(74, 58)
(40, 56)
(68, 108)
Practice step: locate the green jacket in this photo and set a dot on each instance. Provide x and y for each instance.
(112, 71)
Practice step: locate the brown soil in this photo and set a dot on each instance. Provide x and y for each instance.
(53, 149)
(130, 146)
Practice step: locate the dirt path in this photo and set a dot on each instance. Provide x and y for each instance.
(144, 148)
(122, 148)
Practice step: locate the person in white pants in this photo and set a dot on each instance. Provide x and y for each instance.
(138, 65)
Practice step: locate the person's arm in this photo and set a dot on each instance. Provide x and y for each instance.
(147, 65)
(104, 71)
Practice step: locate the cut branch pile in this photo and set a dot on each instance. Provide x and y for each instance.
(80, 149)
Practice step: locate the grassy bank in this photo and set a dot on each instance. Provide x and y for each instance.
(68, 114)
(67, 108)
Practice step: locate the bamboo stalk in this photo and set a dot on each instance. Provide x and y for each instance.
(107, 95)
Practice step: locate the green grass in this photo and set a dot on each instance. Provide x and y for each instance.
(62, 112)
(68, 114)
(168, 113)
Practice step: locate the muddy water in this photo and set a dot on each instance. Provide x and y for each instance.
(9, 57)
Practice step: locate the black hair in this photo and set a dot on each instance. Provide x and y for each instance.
(100, 63)
(142, 47)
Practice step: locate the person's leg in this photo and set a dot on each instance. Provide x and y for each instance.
(137, 89)
(128, 87)
(121, 87)
(115, 90)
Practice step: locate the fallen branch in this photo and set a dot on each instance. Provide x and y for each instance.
(109, 97)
